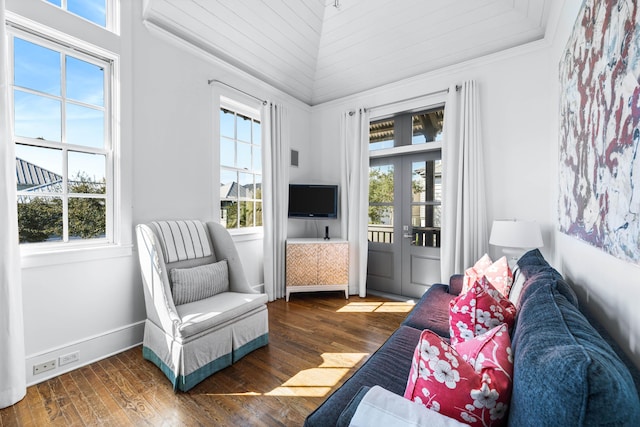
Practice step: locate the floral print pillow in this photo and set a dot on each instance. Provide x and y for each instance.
(472, 274)
(473, 387)
(498, 273)
(500, 276)
(482, 308)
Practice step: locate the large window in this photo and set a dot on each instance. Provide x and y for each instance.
(64, 149)
(240, 168)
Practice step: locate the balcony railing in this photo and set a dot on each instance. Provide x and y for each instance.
(428, 237)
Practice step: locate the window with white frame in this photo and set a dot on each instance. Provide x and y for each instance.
(240, 166)
(64, 147)
(92, 10)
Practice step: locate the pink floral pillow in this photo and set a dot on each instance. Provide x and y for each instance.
(500, 276)
(475, 273)
(474, 388)
(480, 309)
(498, 273)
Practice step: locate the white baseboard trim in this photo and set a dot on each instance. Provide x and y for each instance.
(90, 350)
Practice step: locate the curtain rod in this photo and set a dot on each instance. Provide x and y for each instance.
(264, 102)
(413, 97)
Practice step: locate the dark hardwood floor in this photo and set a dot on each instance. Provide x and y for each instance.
(316, 342)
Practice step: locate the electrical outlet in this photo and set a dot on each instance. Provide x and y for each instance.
(69, 358)
(43, 367)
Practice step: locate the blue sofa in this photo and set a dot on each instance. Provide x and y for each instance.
(567, 369)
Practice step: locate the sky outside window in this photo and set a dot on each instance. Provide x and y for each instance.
(91, 10)
(45, 111)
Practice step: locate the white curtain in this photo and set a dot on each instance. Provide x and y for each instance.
(275, 161)
(354, 128)
(12, 374)
(464, 216)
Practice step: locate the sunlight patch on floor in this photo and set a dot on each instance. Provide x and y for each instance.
(376, 307)
(315, 382)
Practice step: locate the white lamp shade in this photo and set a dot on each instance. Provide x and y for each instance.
(516, 234)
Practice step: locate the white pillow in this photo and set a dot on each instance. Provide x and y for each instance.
(516, 289)
(382, 408)
(196, 283)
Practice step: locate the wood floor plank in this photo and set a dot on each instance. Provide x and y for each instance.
(316, 342)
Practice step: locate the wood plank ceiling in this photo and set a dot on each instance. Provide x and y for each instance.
(317, 52)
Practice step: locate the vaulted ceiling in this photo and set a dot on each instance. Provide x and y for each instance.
(320, 50)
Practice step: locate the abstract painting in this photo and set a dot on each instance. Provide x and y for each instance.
(599, 171)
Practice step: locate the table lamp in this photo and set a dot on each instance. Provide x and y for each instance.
(515, 236)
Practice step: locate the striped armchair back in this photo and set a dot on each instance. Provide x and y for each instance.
(182, 240)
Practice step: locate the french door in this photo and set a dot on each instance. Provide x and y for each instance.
(404, 223)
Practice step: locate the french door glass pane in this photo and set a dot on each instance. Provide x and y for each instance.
(381, 135)
(427, 127)
(85, 126)
(381, 189)
(425, 196)
(36, 67)
(426, 181)
(37, 116)
(425, 225)
(85, 82)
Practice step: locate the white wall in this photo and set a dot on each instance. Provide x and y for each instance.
(609, 286)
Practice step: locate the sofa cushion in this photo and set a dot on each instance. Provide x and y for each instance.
(388, 367)
(480, 309)
(432, 311)
(196, 283)
(476, 391)
(215, 311)
(567, 375)
(533, 264)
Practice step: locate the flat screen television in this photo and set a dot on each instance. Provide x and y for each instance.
(313, 201)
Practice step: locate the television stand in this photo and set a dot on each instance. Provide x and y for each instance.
(314, 265)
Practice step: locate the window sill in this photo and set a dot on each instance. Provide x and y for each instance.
(247, 234)
(41, 257)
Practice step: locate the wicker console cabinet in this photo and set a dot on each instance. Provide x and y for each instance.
(317, 265)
